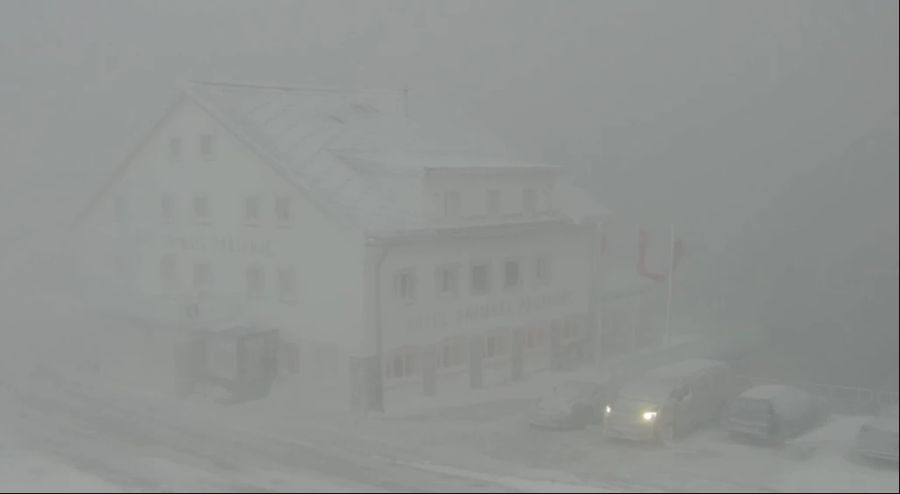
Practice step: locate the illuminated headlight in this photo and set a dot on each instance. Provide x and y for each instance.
(608, 409)
(649, 416)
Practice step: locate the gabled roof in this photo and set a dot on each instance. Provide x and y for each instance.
(356, 153)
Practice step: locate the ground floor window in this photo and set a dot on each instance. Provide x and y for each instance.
(495, 345)
(400, 363)
(534, 338)
(570, 330)
(289, 357)
(451, 352)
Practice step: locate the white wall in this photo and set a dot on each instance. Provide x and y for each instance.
(326, 254)
(429, 319)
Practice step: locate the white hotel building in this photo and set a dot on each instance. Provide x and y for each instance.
(333, 218)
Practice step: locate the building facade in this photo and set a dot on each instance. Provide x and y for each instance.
(365, 242)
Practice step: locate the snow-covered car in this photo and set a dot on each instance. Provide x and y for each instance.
(773, 412)
(877, 437)
(571, 404)
(669, 401)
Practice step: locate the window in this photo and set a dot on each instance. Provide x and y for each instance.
(494, 346)
(287, 285)
(570, 330)
(451, 353)
(201, 209)
(202, 276)
(529, 200)
(481, 278)
(167, 204)
(256, 281)
(283, 210)
(167, 272)
(511, 274)
(206, 146)
(542, 270)
(447, 281)
(121, 209)
(175, 149)
(446, 355)
(493, 202)
(401, 363)
(405, 284)
(534, 338)
(451, 204)
(252, 210)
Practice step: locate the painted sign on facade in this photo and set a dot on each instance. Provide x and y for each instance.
(473, 314)
(218, 243)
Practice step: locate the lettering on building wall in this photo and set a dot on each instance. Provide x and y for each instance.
(475, 313)
(225, 243)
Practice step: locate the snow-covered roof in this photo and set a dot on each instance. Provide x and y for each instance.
(684, 368)
(767, 391)
(357, 153)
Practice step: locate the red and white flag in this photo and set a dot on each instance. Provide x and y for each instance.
(677, 252)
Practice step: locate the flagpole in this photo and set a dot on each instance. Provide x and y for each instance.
(666, 338)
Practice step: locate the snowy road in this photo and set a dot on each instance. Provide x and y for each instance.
(706, 461)
(111, 446)
(118, 443)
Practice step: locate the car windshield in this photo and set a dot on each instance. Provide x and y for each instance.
(646, 391)
(571, 390)
(750, 409)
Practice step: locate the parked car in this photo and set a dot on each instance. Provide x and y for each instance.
(877, 437)
(773, 412)
(572, 404)
(670, 401)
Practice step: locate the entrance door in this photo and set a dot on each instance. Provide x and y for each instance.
(258, 362)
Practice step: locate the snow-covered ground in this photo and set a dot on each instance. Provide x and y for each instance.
(77, 429)
(24, 471)
(482, 443)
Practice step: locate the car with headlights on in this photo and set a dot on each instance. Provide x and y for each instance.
(669, 401)
(571, 404)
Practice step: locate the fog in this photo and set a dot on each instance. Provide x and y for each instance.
(395, 226)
